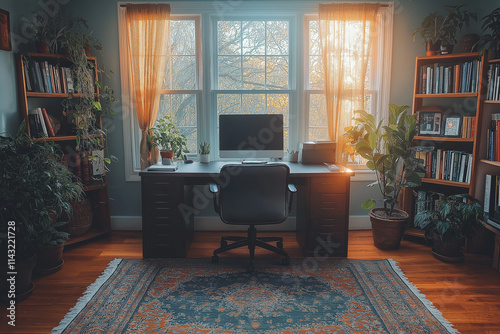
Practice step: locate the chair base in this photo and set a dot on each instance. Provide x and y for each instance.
(252, 241)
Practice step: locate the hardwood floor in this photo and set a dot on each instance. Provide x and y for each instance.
(468, 293)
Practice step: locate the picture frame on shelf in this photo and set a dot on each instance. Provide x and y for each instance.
(429, 123)
(452, 124)
(5, 43)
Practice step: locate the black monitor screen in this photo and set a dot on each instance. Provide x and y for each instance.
(259, 134)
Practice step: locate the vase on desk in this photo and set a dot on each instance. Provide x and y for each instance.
(204, 158)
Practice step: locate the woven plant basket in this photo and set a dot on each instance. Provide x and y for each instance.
(81, 220)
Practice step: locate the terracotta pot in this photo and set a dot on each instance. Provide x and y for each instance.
(449, 252)
(167, 155)
(468, 43)
(432, 49)
(42, 47)
(49, 260)
(88, 51)
(388, 231)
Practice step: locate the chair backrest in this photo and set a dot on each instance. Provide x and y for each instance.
(254, 194)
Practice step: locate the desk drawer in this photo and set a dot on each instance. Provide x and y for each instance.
(327, 243)
(335, 223)
(327, 204)
(163, 245)
(337, 185)
(164, 185)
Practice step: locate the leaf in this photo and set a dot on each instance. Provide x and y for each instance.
(368, 204)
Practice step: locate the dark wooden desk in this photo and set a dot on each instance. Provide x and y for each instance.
(170, 201)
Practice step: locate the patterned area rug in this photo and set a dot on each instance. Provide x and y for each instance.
(309, 296)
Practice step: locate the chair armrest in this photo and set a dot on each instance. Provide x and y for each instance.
(214, 189)
(291, 188)
(291, 191)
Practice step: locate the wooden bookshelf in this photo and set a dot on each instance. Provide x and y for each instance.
(96, 190)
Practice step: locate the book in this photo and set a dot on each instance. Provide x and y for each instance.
(69, 81)
(165, 168)
(48, 123)
(98, 167)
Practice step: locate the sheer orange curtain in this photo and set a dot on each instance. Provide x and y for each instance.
(346, 31)
(148, 42)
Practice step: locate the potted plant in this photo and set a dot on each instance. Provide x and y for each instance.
(439, 31)
(36, 187)
(47, 32)
(50, 245)
(168, 138)
(204, 152)
(453, 219)
(490, 37)
(389, 153)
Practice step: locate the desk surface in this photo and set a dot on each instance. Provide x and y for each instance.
(197, 169)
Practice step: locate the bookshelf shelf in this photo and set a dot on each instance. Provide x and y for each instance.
(489, 162)
(446, 182)
(446, 95)
(445, 139)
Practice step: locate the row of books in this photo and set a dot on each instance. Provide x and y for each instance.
(86, 166)
(469, 123)
(491, 205)
(41, 123)
(426, 200)
(493, 153)
(493, 87)
(442, 79)
(448, 165)
(43, 77)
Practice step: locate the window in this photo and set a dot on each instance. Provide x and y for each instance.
(376, 89)
(254, 61)
(253, 68)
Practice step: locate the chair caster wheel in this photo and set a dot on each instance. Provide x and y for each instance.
(286, 261)
(279, 244)
(215, 259)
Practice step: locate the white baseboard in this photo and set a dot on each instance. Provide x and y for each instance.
(134, 223)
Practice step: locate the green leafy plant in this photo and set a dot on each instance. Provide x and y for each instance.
(438, 27)
(454, 217)
(490, 37)
(204, 148)
(36, 188)
(168, 137)
(388, 151)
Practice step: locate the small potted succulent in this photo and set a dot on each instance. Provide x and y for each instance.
(204, 152)
(453, 219)
(167, 137)
(389, 152)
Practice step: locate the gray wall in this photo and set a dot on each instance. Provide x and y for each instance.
(103, 21)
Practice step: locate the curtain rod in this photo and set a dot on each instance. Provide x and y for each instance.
(381, 4)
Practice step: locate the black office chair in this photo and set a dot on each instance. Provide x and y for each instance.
(253, 195)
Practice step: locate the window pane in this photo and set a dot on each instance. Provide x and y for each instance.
(316, 74)
(228, 104)
(277, 38)
(254, 41)
(183, 37)
(253, 72)
(277, 72)
(314, 40)
(253, 104)
(318, 122)
(278, 104)
(229, 37)
(183, 107)
(230, 72)
(183, 69)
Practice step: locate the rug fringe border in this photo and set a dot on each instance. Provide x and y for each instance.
(87, 296)
(426, 302)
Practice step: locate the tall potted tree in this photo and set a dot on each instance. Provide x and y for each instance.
(388, 151)
(490, 38)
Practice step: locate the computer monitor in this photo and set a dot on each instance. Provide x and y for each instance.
(251, 136)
